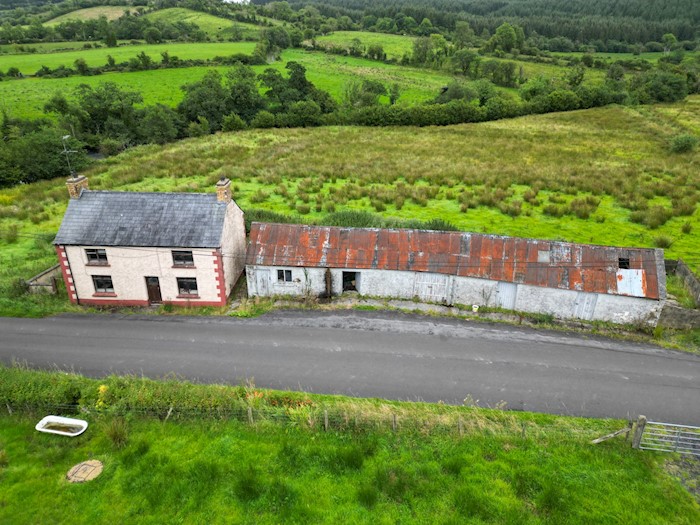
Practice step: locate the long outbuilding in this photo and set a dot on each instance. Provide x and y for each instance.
(622, 285)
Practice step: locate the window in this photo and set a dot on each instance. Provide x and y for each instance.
(96, 256)
(284, 276)
(187, 285)
(623, 263)
(350, 281)
(181, 258)
(103, 284)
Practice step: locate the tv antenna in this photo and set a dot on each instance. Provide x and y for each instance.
(67, 152)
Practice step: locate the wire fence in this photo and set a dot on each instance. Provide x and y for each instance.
(458, 422)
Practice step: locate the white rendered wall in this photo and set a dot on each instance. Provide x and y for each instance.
(128, 268)
(461, 290)
(233, 245)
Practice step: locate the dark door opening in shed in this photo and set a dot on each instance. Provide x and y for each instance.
(350, 281)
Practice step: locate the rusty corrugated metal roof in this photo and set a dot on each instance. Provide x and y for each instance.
(580, 267)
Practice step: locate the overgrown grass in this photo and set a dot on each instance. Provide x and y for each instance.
(395, 46)
(506, 468)
(679, 290)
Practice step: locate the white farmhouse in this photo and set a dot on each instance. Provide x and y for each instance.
(138, 249)
(564, 279)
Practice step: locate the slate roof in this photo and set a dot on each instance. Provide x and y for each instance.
(579, 267)
(111, 218)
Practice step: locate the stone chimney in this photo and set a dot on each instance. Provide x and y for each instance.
(223, 190)
(76, 184)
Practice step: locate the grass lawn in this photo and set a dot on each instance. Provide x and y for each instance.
(395, 46)
(507, 467)
(111, 12)
(31, 63)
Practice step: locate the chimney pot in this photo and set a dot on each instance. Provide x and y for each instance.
(223, 190)
(76, 184)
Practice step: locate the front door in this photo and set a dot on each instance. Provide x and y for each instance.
(153, 287)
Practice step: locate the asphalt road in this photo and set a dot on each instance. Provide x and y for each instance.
(375, 354)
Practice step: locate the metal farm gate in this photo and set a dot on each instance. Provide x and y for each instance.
(666, 437)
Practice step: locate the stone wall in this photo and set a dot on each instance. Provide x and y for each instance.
(691, 281)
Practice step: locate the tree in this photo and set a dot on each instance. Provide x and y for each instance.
(422, 51)
(243, 98)
(394, 93)
(152, 35)
(359, 94)
(81, 66)
(233, 122)
(158, 124)
(668, 40)
(464, 59)
(464, 35)
(575, 75)
(206, 99)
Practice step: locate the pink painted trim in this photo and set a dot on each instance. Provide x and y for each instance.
(104, 294)
(185, 296)
(67, 279)
(127, 302)
(219, 274)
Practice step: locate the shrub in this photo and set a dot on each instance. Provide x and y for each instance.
(663, 241)
(303, 209)
(264, 119)
(683, 143)
(233, 122)
(687, 227)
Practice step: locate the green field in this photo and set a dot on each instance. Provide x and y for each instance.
(90, 13)
(209, 467)
(29, 64)
(395, 46)
(26, 97)
(50, 47)
(212, 25)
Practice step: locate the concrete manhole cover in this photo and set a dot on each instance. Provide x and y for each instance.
(85, 471)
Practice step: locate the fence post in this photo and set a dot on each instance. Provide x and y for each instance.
(325, 419)
(393, 422)
(460, 426)
(641, 423)
(250, 415)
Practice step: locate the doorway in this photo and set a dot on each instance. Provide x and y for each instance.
(153, 287)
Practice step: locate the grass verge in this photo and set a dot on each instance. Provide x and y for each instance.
(207, 466)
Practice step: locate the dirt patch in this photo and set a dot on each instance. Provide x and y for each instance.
(687, 471)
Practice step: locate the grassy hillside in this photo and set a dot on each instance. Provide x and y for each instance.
(26, 97)
(506, 468)
(212, 25)
(603, 176)
(395, 46)
(111, 12)
(31, 63)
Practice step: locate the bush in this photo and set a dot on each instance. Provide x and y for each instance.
(683, 143)
(233, 122)
(663, 241)
(117, 431)
(110, 147)
(264, 119)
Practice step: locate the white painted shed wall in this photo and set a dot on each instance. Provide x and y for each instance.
(233, 245)
(460, 290)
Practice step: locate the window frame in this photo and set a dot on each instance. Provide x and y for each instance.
(182, 291)
(96, 256)
(284, 276)
(103, 289)
(182, 264)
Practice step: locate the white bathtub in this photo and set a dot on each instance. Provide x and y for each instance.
(63, 426)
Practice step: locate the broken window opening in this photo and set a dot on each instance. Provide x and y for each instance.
(350, 283)
(623, 263)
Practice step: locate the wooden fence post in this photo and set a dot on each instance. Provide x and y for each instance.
(460, 426)
(250, 415)
(393, 422)
(641, 423)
